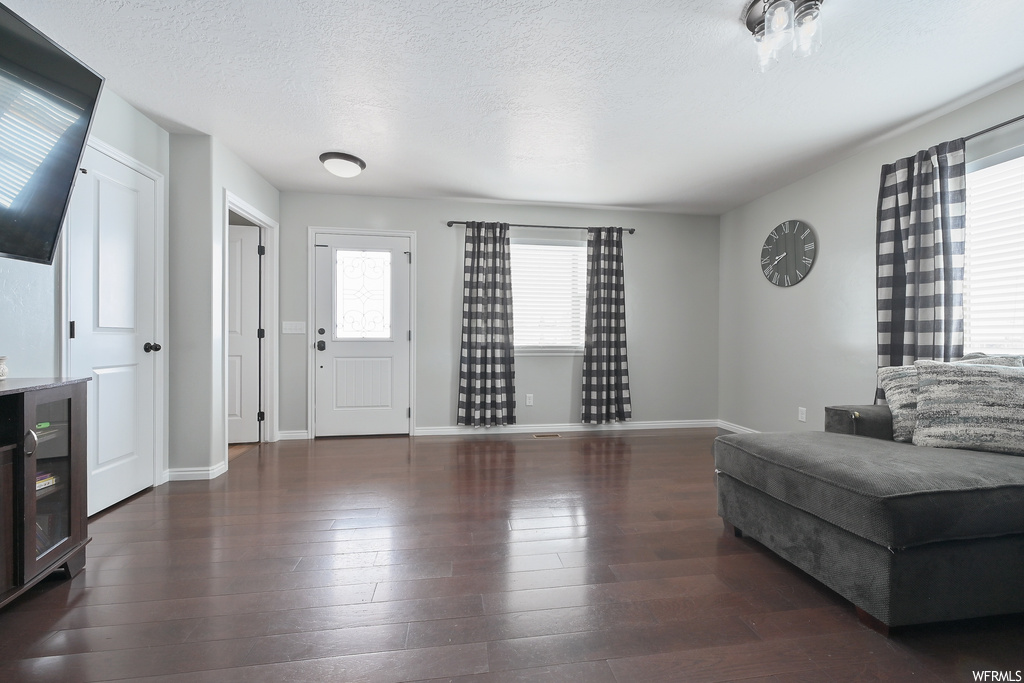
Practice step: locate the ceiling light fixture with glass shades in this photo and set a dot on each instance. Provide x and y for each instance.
(783, 27)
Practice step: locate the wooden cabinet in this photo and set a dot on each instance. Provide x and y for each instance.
(7, 549)
(43, 525)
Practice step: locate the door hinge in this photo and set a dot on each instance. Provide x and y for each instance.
(261, 333)
(260, 416)
(261, 250)
(409, 254)
(408, 412)
(410, 335)
(71, 334)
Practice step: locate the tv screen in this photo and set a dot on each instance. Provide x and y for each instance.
(47, 98)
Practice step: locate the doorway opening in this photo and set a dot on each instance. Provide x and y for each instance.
(244, 399)
(250, 378)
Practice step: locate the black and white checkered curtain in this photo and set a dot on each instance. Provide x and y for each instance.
(487, 369)
(605, 370)
(920, 259)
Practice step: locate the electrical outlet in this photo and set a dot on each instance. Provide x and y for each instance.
(529, 399)
(801, 414)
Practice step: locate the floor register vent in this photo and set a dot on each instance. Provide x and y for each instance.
(549, 435)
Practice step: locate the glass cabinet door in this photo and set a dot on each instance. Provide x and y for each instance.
(52, 460)
(52, 467)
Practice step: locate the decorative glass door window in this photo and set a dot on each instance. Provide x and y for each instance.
(362, 295)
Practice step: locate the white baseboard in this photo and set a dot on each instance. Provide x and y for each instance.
(303, 435)
(570, 427)
(736, 429)
(196, 473)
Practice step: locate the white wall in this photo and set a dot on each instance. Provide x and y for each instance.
(813, 345)
(124, 128)
(28, 318)
(202, 169)
(28, 294)
(671, 266)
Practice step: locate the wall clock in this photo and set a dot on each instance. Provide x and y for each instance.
(788, 253)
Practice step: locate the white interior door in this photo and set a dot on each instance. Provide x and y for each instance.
(243, 399)
(362, 334)
(112, 294)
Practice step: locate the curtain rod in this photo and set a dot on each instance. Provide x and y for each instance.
(995, 127)
(553, 227)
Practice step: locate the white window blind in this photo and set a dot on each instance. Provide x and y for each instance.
(994, 259)
(31, 124)
(549, 295)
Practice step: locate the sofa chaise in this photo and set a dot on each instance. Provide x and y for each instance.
(909, 534)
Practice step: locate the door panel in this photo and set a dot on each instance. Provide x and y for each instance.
(362, 382)
(116, 437)
(112, 294)
(118, 208)
(243, 369)
(234, 397)
(362, 306)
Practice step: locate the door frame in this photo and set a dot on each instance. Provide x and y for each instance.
(269, 374)
(311, 316)
(161, 474)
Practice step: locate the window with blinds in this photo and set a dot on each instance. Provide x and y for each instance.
(994, 259)
(549, 295)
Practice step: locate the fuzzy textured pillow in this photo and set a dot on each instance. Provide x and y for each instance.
(978, 407)
(899, 383)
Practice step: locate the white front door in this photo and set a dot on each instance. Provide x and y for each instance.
(112, 295)
(362, 334)
(243, 399)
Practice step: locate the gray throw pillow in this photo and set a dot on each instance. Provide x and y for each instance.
(1007, 359)
(964, 405)
(899, 383)
(900, 386)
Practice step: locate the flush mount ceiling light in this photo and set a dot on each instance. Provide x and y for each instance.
(782, 27)
(342, 165)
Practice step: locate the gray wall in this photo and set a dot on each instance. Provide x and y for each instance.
(201, 170)
(28, 294)
(813, 345)
(671, 266)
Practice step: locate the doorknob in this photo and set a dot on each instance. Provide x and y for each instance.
(151, 347)
(321, 345)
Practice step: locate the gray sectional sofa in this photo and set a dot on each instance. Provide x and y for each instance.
(909, 534)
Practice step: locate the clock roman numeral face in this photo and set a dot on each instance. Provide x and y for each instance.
(788, 253)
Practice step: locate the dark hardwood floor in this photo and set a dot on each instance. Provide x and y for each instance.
(477, 558)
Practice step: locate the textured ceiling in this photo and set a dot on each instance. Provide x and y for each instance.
(638, 103)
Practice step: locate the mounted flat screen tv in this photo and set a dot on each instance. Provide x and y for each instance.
(47, 99)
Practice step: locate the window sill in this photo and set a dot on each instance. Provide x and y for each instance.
(549, 351)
